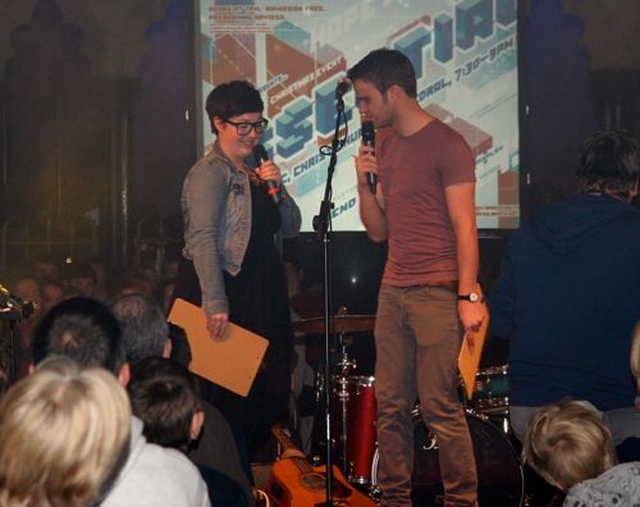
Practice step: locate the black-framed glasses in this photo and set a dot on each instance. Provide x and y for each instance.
(243, 128)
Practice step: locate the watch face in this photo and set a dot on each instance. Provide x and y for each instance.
(474, 297)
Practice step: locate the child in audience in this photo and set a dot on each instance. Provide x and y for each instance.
(569, 445)
(64, 434)
(164, 394)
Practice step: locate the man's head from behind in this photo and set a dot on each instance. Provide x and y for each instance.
(164, 394)
(84, 330)
(610, 164)
(567, 443)
(145, 332)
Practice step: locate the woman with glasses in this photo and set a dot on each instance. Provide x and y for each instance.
(234, 207)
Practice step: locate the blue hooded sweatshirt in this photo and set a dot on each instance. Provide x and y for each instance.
(568, 298)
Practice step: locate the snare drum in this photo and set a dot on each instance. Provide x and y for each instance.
(500, 475)
(353, 425)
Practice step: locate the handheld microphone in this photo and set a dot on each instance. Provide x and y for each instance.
(343, 86)
(369, 139)
(260, 155)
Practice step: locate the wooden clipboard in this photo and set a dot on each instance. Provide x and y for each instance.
(469, 356)
(232, 362)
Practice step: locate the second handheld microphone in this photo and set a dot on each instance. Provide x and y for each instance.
(369, 139)
(260, 155)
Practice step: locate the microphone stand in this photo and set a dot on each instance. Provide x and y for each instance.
(321, 224)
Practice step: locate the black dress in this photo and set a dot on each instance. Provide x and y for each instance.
(258, 301)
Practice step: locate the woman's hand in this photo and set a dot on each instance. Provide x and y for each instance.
(269, 171)
(217, 324)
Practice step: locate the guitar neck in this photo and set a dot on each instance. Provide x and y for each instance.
(288, 447)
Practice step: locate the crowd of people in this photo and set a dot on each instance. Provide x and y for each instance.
(566, 299)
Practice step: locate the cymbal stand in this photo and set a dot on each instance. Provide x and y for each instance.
(346, 366)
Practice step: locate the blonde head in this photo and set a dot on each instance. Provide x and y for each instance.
(64, 433)
(635, 355)
(567, 443)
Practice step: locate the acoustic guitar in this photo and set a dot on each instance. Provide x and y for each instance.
(294, 482)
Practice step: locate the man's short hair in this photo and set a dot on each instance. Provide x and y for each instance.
(144, 326)
(164, 394)
(83, 329)
(609, 163)
(567, 443)
(64, 434)
(384, 68)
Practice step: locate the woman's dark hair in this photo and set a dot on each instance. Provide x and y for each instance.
(232, 99)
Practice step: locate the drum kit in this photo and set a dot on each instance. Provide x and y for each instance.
(353, 418)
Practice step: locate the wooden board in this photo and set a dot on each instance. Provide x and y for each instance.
(231, 362)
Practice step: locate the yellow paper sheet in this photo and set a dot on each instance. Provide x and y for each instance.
(469, 357)
(232, 362)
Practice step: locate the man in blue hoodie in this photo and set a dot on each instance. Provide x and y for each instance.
(568, 294)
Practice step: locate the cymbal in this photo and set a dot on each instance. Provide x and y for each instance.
(337, 323)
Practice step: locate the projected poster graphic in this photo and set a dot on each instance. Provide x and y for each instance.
(464, 53)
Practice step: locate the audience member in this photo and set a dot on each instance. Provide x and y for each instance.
(567, 297)
(86, 331)
(165, 294)
(64, 435)
(170, 268)
(146, 335)
(45, 266)
(28, 289)
(164, 394)
(569, 445)
(6, 378)
(634, 360)
(129, 282)
(82, 277)
(621, 421)
(53, 292)
(101, 272)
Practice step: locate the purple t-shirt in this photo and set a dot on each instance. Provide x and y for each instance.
(414, 172)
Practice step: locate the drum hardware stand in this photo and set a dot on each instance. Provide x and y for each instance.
(346, 367)
(321, 224)
(13, 309)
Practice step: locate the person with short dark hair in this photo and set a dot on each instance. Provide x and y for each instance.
(423, 205)
(567, 296)
(233, 205)
(83, 329)
(164, 394)
(82, 276)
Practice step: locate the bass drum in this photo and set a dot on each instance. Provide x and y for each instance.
(500, 475)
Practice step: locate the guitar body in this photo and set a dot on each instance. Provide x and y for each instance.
(289, 487)
(295, 483)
